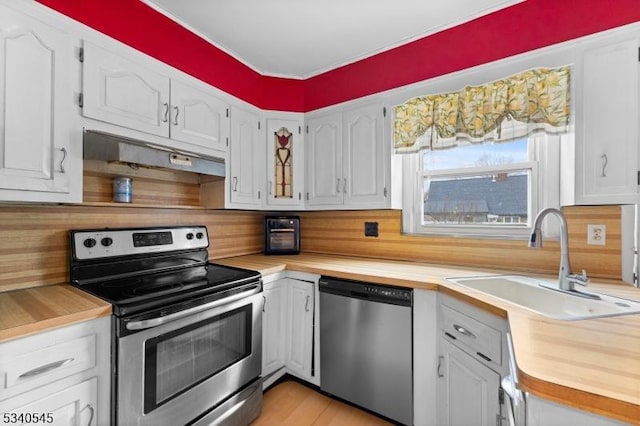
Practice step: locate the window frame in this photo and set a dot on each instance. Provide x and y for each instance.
(544, 166)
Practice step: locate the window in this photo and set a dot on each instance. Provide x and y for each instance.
(488, 189)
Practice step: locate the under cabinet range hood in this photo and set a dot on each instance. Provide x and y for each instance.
(109, 147)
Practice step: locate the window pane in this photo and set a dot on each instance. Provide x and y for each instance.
(499, 199)
(478, 155)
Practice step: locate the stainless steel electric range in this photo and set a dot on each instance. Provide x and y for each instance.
(187, 334)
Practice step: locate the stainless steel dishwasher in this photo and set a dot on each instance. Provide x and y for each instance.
(366, 354)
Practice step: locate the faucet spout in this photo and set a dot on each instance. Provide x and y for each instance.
(535, 241)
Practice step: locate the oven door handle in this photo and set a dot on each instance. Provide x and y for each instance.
(155, 322)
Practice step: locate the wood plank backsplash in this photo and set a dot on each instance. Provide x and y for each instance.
(343, 233)
(34, 241)
(34, 247)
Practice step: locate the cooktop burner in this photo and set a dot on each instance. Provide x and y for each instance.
(169, 287)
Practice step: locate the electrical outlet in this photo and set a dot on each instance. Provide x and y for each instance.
(596, 235)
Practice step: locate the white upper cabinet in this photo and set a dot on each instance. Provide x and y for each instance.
(127, 93)
(285, 163)
(607, 120)
(40, 152)
(324, 160)
(365, 165)
(244, 172)
(347, 161)
(123, 92)
(198, 118)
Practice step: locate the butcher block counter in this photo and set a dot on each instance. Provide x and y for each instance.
(32, 310)
(590, 364)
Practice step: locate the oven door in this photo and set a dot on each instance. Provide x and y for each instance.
(175, 369)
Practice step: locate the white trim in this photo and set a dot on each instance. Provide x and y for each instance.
(544, 153)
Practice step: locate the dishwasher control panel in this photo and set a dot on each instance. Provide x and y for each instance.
(363, 290)
(395, 293)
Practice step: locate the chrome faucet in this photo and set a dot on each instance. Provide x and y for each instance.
(566, 279)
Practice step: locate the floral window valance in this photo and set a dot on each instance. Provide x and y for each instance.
(534, 100)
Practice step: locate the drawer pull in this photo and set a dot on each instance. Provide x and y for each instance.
(464, 331)
(483, 356)
(45, 368)
(451, 336)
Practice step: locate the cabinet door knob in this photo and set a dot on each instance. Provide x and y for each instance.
(306, 304)
(338, 185)
(165, 116)
(175, 118)
(235, 184)
(440, 359)
(91, 413)
(605, 160)
(64, 157)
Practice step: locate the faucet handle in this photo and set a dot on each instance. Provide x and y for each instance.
(581, 279)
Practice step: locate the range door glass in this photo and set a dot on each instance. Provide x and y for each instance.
(181, 359)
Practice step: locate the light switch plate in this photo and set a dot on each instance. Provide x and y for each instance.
(596, 235)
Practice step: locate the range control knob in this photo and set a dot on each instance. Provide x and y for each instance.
(89, 242)
(199, 235)
(190, 236)
(106, 241)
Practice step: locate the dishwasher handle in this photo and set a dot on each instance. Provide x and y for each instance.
(367, 291)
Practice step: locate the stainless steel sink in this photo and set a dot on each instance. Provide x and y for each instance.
(534, 294)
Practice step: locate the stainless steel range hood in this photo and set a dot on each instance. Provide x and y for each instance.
(109, 147)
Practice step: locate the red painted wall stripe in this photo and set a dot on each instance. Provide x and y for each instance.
(526, 26)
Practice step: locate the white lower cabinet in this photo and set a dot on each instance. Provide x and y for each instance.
(472, 359)
(299, 335)
(73, 406)
(59, 377)
(425, 357)
(273, 326)
(289, 341)
(469, 392)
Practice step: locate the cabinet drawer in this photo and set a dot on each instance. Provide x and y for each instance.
(484, 341)
(75, 405)
(22, 372)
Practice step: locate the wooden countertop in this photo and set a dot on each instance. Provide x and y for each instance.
(590, 364)
(33, 310)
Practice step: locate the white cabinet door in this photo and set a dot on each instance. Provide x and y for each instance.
(299, 346)
(324, 161)
(198, 118)
(284, 159)
(468, 391)
(347, 162)
(607, 132)
(245, 154)
(123, 92)
(37, 148)
(76, 405)
(273, 326)
(364, 178)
